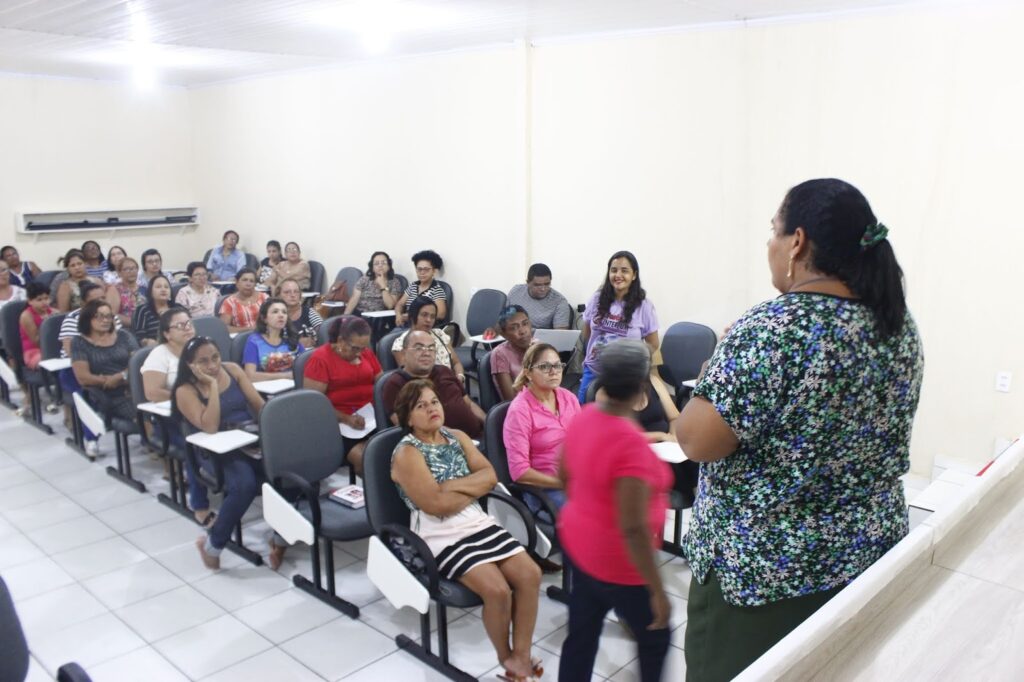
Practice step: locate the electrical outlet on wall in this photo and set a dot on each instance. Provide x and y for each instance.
(1003, 379)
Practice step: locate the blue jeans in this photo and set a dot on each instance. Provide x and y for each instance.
(242, 479)
(589, 602)
(197, 496)
(588, 378)
(556, 497)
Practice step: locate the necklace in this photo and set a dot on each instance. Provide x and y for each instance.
(812, 281)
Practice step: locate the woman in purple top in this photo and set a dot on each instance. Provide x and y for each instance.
(618, 310)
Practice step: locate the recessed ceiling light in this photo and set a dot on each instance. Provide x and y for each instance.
(377, 22)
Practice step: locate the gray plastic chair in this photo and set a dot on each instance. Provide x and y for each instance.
(33, 379)
(384, 356)
(46, 277)
(299, 367)
(351, 276)
(484, 308)
(238, 346)
(450, 300)
(684, 349)
(216, 330)
(301, 447)
(218, 304)
(380, 414)
(489, 396)
(317, 276)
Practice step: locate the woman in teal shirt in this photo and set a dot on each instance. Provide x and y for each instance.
(802, 423)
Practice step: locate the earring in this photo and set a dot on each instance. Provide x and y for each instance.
(789, 274)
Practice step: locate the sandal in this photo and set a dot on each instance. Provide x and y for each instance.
(512, 677)
(276, 555)
(538, 666)
(207, 519)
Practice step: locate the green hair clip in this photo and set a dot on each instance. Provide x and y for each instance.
(873, 234)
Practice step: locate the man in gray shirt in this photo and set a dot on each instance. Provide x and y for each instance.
(546, 308)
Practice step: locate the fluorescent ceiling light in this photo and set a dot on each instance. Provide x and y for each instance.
(377, 22)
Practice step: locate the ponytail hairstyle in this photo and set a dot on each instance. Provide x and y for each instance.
(848, 242)
(634, 297)
(344, 327)
(529, 359)
(289, 335)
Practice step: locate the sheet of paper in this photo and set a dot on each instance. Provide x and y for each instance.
(366, 412)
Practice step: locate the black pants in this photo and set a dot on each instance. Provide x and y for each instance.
(589, 603)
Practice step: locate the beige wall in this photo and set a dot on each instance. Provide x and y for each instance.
(676, 146)
(76, 145)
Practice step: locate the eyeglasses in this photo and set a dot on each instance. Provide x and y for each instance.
(104, 316)
(182, 326)
(420, 348)
(549, 367)
(428, 268)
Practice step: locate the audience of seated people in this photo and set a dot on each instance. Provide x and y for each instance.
(546, 308)
(99, 358)
(126, 294)
(8, 290)
(210, 396)
(22, 272)
(198, 296)
(268, 263)
(292, 267)
(440, 475)
(159, 372)
(422, 314)
(376, 290)
(459, 410)
(95, 262)
(515, 327)
(270, 351)
(304, 318)
(536, 423)
(428, 265)
(345, 369)
(146, 318)
(226, 260)
(241, 310)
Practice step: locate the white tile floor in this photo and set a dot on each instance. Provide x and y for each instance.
(110, 578)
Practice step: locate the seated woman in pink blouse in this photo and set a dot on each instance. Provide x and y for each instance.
(536, 422)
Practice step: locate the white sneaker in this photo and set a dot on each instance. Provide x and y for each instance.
(52, 408)
(22, 411)
(92, 448)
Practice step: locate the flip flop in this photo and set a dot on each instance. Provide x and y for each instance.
(207, 520)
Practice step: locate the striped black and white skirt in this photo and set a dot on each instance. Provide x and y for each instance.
(464, 540)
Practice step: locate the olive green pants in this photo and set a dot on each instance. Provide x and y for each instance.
(722, 639)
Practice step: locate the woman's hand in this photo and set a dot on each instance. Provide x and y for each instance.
(381, 281)
(202, 377)
(661, 608)
(354, 421)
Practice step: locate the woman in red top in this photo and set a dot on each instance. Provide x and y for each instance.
(610, 528)
(344, 369)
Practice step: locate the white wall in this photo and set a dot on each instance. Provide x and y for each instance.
(676, 146)
(77, 145)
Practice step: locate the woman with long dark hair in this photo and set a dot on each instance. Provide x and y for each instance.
(620, 309)
(271, 350)
(378, 289)
(146, 318)
(212, 396)
(802, 424)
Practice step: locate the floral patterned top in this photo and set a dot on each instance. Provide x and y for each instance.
(445, 461)
(822, 408)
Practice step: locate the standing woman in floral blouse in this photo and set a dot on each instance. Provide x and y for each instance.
(802, 424)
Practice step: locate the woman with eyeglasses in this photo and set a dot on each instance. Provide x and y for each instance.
(198, 297)
(292, 267)
(212, 396)
(428, 265)
(423, 314)
(99, 359)
(146, 318)
(126, 294)
(378, 289)
(271, 351)
(536, 423)
(159, 372)
(345, 369)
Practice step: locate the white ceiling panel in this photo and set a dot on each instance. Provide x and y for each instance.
(196, 42)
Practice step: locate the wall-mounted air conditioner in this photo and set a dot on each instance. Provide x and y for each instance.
(110, 221)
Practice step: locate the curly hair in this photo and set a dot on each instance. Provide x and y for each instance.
(634, 297)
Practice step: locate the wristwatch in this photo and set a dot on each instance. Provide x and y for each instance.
(124, 376)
